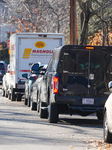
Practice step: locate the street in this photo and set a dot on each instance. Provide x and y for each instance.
(21, 129)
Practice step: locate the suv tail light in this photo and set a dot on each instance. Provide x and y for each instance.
(55, 84)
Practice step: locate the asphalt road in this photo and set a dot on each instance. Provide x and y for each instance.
(22, 129)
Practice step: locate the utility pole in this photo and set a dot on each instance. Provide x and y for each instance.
(72, 21)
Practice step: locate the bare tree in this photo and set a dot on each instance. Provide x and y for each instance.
(88, 11)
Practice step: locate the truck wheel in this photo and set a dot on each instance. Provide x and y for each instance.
(13, 96)
(106, 133)
(3, 92)
(53, 113)
(43, 112)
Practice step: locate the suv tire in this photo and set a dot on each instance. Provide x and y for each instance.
(43, 112)
(53, 113)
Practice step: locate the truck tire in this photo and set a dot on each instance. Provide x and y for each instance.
(13, 96)
(53, 113)
(43, 112)
(3, 92)
(106, 133)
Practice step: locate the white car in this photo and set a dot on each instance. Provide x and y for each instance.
(107, 123)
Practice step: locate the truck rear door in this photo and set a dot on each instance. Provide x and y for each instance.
(84, 72)
(32, 50)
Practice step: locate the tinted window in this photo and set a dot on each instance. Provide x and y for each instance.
(80, 62)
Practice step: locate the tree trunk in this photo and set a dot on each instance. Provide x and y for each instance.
(84, 33)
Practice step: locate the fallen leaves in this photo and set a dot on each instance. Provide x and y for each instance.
(101, 145)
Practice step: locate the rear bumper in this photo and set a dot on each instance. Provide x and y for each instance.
(74, 105)
(19, 91)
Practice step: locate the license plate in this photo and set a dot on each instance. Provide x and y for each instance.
(21, 86)
(88, 101)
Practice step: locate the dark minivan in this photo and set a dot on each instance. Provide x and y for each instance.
(76, 82)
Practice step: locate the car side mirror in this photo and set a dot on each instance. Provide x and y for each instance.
(25, 75)
(110, 86)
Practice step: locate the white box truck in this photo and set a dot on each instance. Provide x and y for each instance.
(26, 49)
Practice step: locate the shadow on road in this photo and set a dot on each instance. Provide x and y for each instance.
(81, 121)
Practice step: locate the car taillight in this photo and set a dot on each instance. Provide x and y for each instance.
(55, 84)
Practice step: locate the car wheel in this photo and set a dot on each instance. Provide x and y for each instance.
(26, 101)
(43, 112)
(107, 135)
(53, 113)
(3, 92)
(33, 105)
(9, 96)
(38, 103)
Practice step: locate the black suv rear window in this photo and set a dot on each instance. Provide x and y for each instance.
(80, 62)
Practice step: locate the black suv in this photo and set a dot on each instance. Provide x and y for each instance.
(3, 70)
(76, 81)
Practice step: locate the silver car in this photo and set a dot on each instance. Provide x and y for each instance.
(107, 123)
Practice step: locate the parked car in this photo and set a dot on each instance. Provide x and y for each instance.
(5, 83)
(36, 89)
(76, 82)
(107, 122)
(34, 72)
(3, 70)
